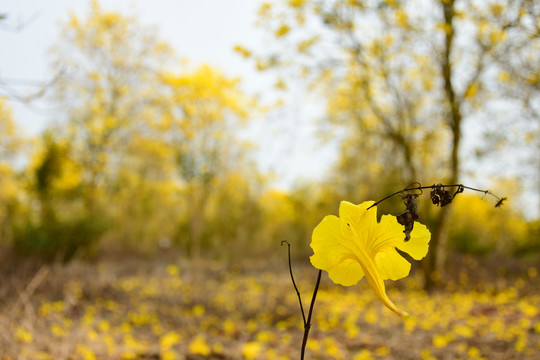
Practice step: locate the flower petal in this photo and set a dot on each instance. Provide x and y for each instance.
(347, 273)
(357, 216)
(331, 252)
(418, 245)
(389, 235)
(391, 265)
(377, 284)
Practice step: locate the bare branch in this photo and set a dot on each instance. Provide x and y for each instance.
(8, 87)
(21, 24)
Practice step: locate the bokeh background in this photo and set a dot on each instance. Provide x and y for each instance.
(155, 155)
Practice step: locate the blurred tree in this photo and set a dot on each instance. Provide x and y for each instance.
(153, 137)
(488, 232)
(111, 70)
(11, 144)
(206, 107)
(51, 227)
(234, 221)
(401, 78)
(48, 169)
(292, 215)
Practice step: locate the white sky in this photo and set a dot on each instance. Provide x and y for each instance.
(203, 31)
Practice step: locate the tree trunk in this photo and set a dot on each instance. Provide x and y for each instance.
(199, 199)
(437, 258)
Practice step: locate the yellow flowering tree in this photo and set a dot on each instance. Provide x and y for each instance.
(153, 136)
(51, 226)
(11, 142)
(109, 90)
(401, 78)
(204, 110)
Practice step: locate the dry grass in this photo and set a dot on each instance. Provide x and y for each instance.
(173, 309)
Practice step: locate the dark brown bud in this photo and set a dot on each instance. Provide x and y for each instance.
(410, 215)
(500, 202)
(440, 196)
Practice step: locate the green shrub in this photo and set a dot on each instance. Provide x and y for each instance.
(59, 240)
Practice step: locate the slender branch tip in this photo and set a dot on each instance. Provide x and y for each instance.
(437, 187)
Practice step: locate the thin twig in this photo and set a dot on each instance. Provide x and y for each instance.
(294, 283)
(419, 187)
(7, 87)
(26, 293)
(307, 325)
(21, 24)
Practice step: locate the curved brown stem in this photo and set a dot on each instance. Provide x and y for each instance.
(307, 325)
(307, 322)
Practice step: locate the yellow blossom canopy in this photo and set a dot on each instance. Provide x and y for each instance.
(354, 245)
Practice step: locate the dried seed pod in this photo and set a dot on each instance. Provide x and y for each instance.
(409, 215)
(440, 196)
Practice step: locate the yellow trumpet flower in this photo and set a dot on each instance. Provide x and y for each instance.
(354, 245)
